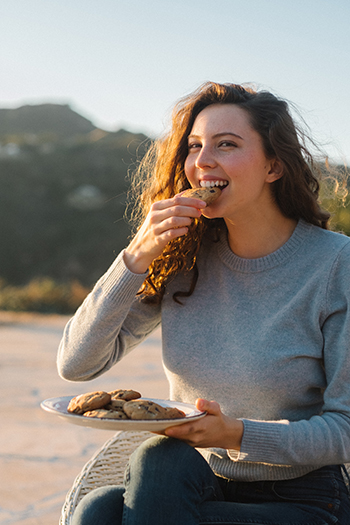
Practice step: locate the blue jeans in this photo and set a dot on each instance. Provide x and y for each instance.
(169, 483)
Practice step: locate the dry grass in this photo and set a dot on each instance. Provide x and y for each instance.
(42, 295)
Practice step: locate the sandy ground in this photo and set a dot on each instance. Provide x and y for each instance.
(40, 454)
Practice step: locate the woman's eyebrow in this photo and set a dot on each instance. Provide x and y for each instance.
(222, 134)
(218, 135)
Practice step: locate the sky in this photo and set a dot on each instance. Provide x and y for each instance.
(124, 63)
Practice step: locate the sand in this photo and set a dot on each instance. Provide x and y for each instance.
(40, 454)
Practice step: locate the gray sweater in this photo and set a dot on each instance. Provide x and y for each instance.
(267, 338)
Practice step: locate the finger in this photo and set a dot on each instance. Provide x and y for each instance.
(187, 202)
(167, 221)
(169, 235)
(172, 223)
(157, 216)
(191, 201)
(210, 407)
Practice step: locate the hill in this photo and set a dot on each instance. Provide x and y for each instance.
(46, 120)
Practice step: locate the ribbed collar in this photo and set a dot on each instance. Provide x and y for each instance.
(269, 261)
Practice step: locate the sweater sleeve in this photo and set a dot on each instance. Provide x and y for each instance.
(111, 321)
(324, 439)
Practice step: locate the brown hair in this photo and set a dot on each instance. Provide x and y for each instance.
(161, 174)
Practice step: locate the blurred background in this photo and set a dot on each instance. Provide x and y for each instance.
(85, 85)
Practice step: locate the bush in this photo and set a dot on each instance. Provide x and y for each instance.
(42, 295)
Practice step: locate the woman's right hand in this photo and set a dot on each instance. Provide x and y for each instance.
(166, 220)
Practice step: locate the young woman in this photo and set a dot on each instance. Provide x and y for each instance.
(253, 295)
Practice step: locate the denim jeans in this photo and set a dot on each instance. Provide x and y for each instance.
(169, 483)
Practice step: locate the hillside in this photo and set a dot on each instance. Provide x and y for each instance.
(62, 202)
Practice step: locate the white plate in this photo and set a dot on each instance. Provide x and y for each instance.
(58, 406)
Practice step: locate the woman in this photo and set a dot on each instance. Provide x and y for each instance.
(252, 292)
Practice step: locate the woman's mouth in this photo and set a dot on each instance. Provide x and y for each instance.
(213, 183)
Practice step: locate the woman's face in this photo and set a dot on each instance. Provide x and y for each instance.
(225, 150)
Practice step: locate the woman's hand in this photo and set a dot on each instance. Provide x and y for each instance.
(166, 220)
(214, 430)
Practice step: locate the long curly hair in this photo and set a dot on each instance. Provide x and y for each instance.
(161, 175)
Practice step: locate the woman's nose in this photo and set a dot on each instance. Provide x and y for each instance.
(205, 159)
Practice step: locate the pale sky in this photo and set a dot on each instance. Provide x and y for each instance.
(125, 63)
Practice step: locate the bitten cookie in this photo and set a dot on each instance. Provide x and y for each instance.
(127, 395)
(90, 401)
(106, 414)
(145, 409)
(208, 195)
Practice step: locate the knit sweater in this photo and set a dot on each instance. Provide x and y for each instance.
(267, 338)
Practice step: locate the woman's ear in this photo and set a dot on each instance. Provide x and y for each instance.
(276, 170)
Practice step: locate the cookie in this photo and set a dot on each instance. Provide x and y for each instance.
(145, 409)
(115, 404)
(106, 414)
(173, 413)
(90, 401)
(208, 195)
(127, 395)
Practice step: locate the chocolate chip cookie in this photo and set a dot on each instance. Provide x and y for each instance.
(145, 409)
(90, 401)
(127, 395)
(106, 414)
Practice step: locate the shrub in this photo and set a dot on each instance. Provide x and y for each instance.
(42, 295)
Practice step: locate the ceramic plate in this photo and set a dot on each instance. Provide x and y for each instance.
(58, 406)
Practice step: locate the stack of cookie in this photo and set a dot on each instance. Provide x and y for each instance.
(120, 404)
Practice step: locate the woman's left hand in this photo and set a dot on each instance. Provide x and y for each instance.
(213, 430)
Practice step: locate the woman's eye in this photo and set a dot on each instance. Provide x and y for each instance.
(227, 144)
(194, 146)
